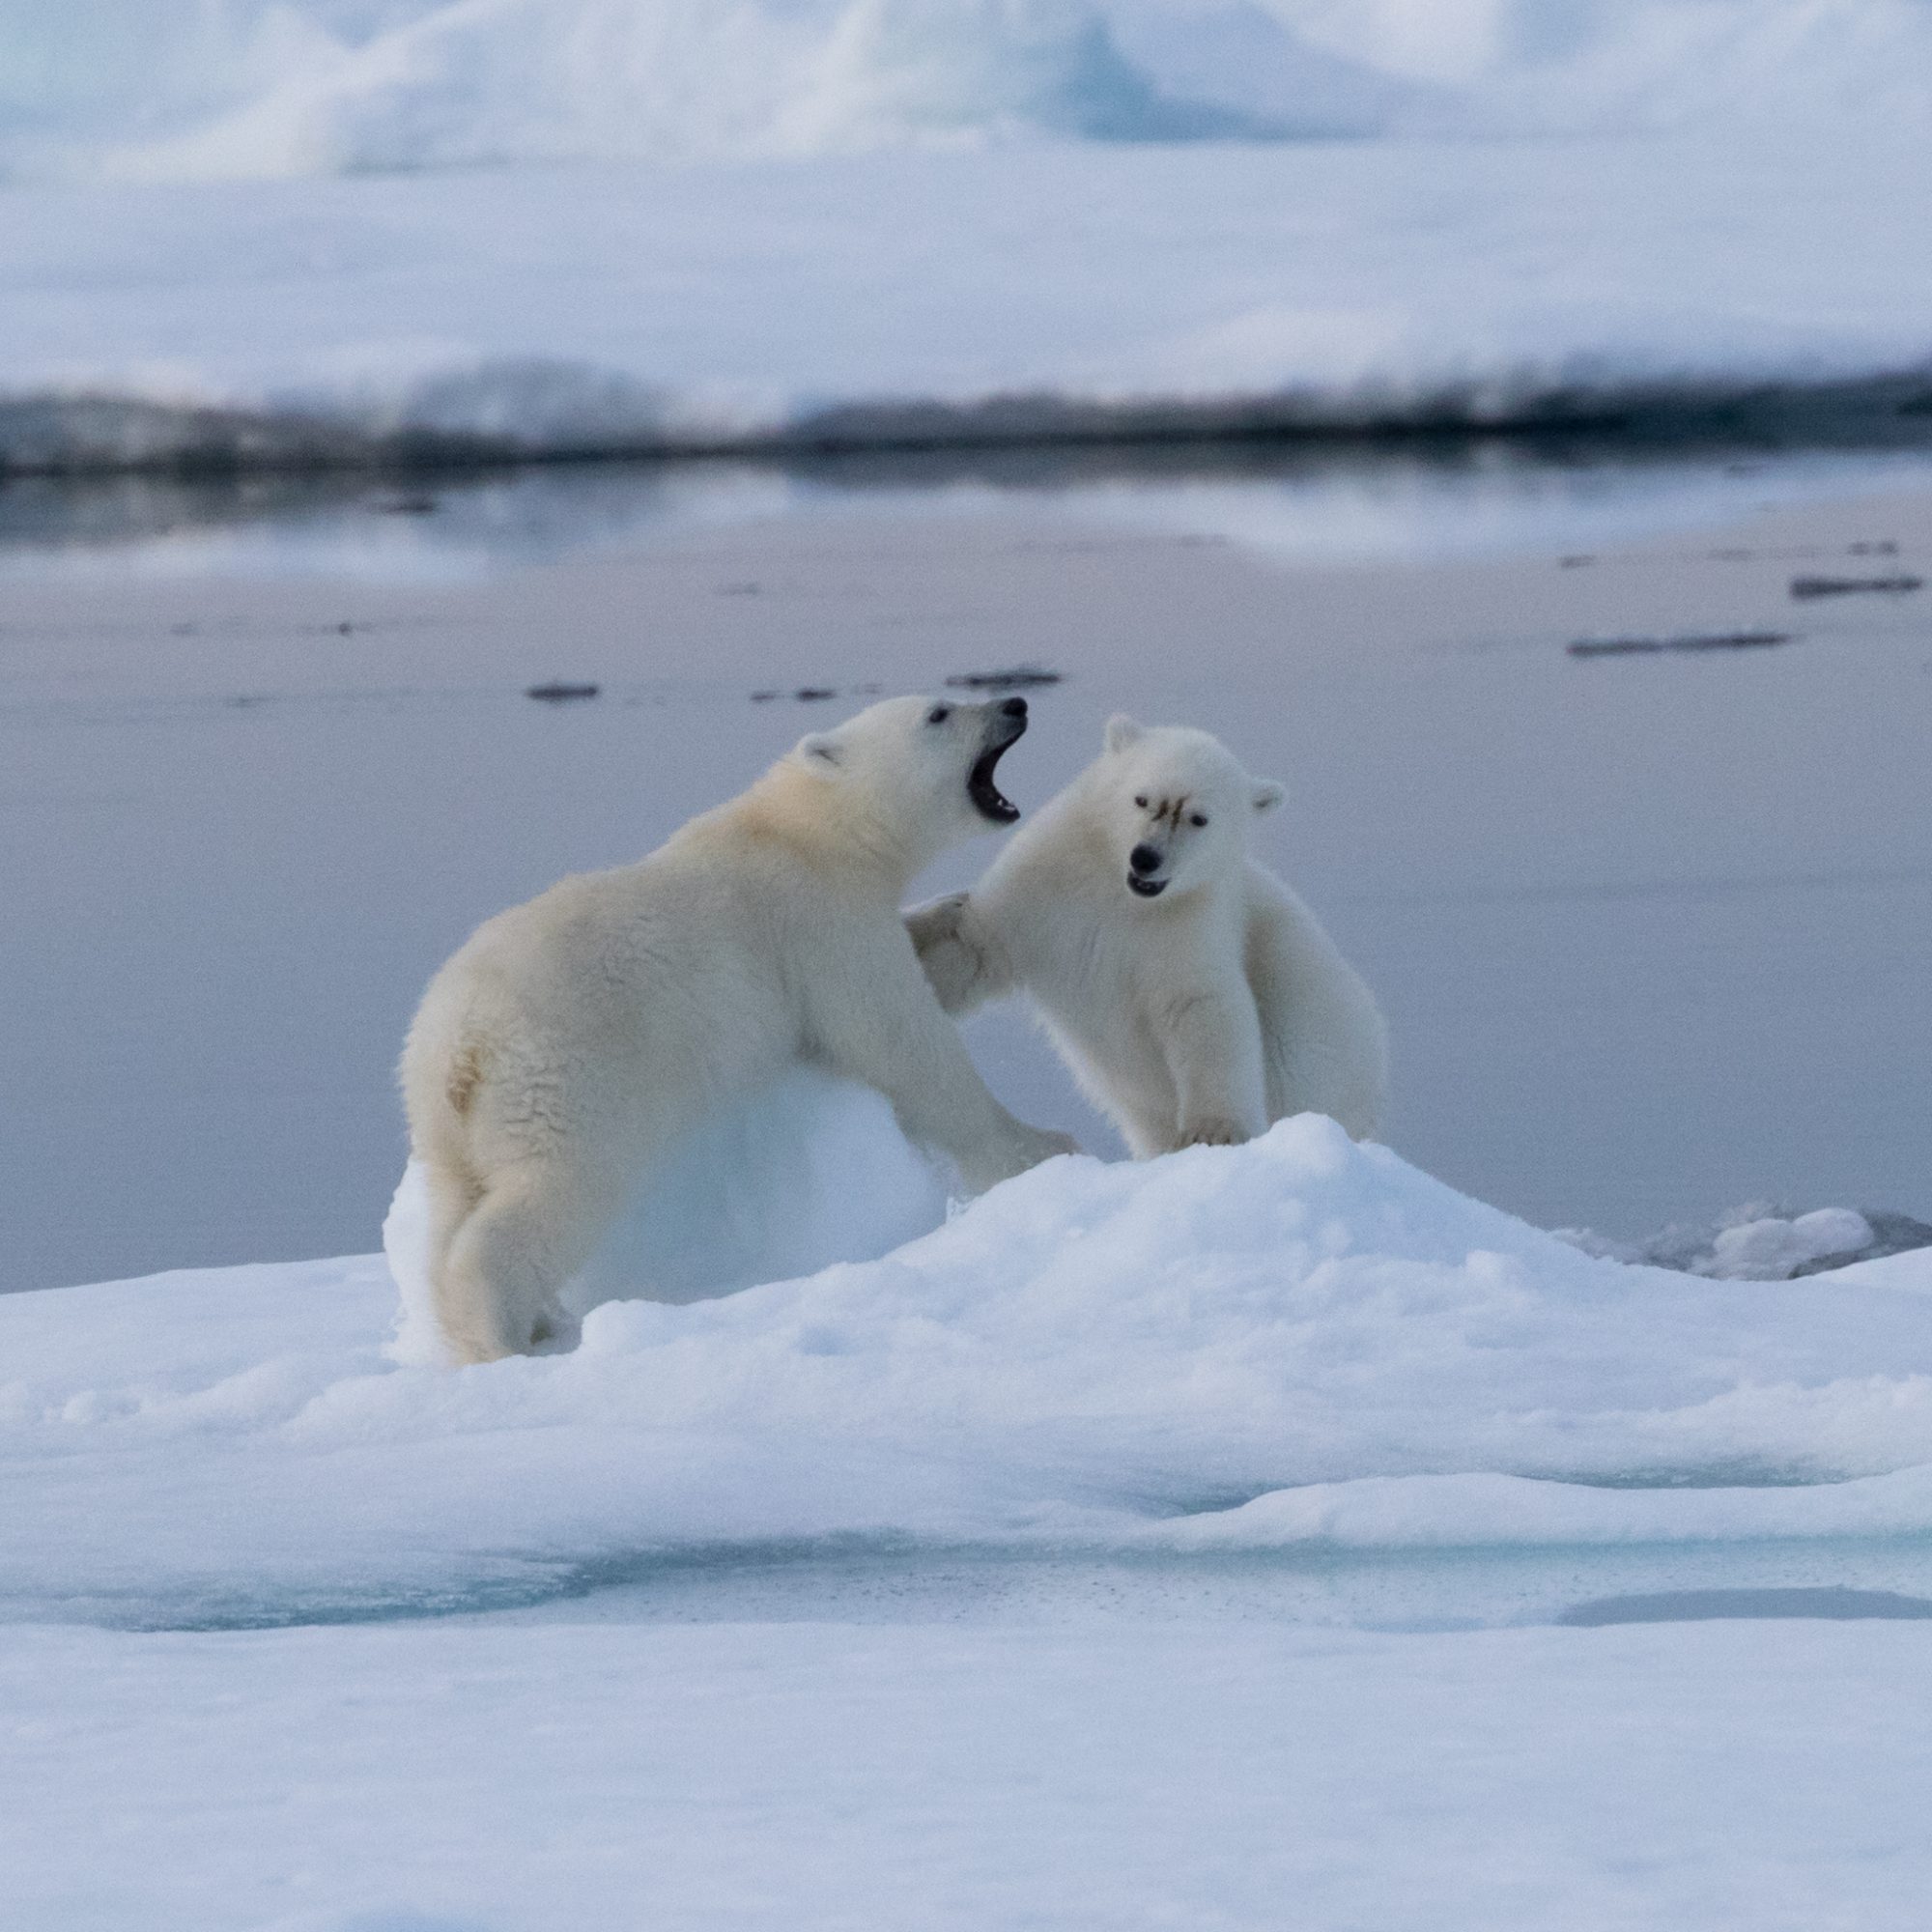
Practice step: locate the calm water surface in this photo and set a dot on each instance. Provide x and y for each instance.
(1652, 927)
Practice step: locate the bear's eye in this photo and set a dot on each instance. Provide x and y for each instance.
(939, 714)
(1197, 819)
(1142, 802)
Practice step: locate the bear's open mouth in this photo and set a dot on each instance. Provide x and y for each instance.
(991, 801)
(1148, 888)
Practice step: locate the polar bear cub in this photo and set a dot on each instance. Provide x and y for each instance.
(574, 1040)
(1194, 996)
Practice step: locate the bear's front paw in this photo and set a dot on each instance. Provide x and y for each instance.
(1047, 1143)
(954, 967)
(936, 921)
(1212, 1131)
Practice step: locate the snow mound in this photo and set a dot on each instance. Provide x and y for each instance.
(1298, 1340)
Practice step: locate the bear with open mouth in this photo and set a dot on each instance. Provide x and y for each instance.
(570, 1043)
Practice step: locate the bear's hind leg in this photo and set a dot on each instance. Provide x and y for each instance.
(452, 1193)
(534, 1226)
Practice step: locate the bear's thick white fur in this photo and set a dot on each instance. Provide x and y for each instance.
(572, 1040)
(1194, 996)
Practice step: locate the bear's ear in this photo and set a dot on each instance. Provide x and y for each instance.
(821, 749)
(1268, 794)
(1123, 731)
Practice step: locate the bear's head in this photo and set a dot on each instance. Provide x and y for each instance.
(1177, 804)
(921, 768)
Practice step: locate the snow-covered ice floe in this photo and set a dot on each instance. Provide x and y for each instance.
(960, 1586)
(318, 232)
(1302, 1345)
(850, 303)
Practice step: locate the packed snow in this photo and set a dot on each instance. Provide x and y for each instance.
(805, 1778)
(1302, 1341)
(1112, 1554)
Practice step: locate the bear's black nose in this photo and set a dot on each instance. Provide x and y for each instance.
(1014, 707)
(1144, 858)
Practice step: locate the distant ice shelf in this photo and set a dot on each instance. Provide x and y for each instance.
(1045, 293)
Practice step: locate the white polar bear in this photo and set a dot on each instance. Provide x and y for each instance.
(572, 1040)
(1194, 996)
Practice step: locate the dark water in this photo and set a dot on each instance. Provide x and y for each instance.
(1679, 1607)
(888, 1581)
(1651, 928)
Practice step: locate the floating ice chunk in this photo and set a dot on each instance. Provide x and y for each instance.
(1772, 1249)
(1757, 1242)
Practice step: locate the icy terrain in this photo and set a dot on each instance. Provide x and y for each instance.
(255, 233)
(1098, 1559)
(811, 1778)
(1301, 1344)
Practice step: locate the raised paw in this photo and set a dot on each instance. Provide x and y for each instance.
(951, 953)
(936, 921)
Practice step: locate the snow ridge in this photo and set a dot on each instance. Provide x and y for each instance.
(1300, 1342)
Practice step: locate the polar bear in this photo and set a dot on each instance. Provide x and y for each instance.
(573, 1039)
(1193, 995)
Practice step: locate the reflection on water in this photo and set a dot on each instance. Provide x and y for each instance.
(1415, 496)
